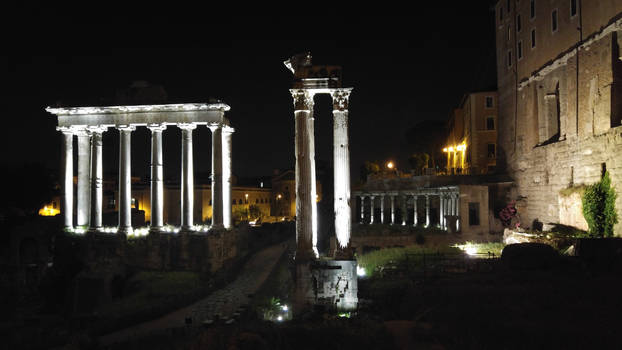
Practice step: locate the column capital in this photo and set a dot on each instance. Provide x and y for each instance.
(96, 129)
(187, 126)
(79, 131)
(126, 127)
(228, 129)
(65, 130)
(156, 127)
(215, 126)
(340, 98)
(303, 99)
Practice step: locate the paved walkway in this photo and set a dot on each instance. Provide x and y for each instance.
(223, 302)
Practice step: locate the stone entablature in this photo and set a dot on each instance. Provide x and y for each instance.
(88, 124)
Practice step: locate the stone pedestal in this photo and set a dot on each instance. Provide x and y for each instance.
(328, 284)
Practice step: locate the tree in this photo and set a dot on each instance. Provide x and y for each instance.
(369, 168)
(254, 212)
(599, 207)
(418, 162)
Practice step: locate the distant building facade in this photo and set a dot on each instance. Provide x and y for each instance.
(472, 139)
(284, 193)
(559, 70)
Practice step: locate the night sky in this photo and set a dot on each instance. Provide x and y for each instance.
(411, 71)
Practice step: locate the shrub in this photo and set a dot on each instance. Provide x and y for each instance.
(599, 207)
(506, 214)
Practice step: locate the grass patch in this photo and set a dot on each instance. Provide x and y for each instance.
(474, 248)
(372, 261)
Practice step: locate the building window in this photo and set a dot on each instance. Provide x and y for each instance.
(256, 201)
(533, 38)
(490, 123)
(554, 21)
(573, 8)
(509, 58)
(532, 9)
(474, 214)
(500, 14)
(519, 51)
(518, 23)
(134, 203)
(234, 201)
(111, 203)
(210, 202)
(492, 148)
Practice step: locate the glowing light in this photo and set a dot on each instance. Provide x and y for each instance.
(450, 149)
(48, 211)
(390, 165)
(280, 318)
(445, 149)
(471, 251)
(360, 271)
(285, 308)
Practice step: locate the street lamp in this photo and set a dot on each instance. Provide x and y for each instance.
(390, 165)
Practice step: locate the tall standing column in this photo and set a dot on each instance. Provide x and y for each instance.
(457, 211)
(187, 177)
(427, 210)
(125, 178)
(341, 166)
(305, 175)
(415, 214)
(382, 209)
(157, 178)
(442, 210)
(403, 210)
(96, 177)
(84, 177)
(371, 210)
(67, 176)
(392, 199)
(227, 132)
(217, 192)
(362, 209)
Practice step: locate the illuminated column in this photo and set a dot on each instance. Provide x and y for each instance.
(217, 203)
(457, 211)
(227, 132)
(382, 209)
(427, 210)
(187, 177)
(371, 210)
(341, 166)
(157, 178)
(442, 210)
(96, 177)
(362, 209)
(415, 219)
(392, 198)
(403, 210)
(84, 178)
(67, 176)
(305, 175)
(125, 178)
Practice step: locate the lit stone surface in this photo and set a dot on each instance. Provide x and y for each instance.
(125, 178)
(217, 205)
(157, 178)
(227, 132)
(187, 177)
(341, 165)
(84, 181)
(67, 177)
(96, 177)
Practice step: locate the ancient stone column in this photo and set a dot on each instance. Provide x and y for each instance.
(341, 165)
(67, 176)
(217, 204)
(392, 199)
(442, 210)
(457, 211)
(157, 178)
(362, 209)
(305, 175)
(84, 177)
(415, 218)
(371, 210)
(427, 210)
(187, 177)
(403, 210)
(97, 195)
(227, 132)
(125, 178)
(382, 209)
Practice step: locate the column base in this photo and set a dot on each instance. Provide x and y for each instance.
(124, 230)
(217, 227)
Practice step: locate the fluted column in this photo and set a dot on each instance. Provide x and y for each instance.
(305, 175)
(341, 166)
(442, 210)
(457, 211)
(362, 209)
(187, 177)
(84, 177)
(67, 176)
(392, 199)
(382, 209)
(227, 132)
(217, 192)
(125, 178)
(157, 178)
(97, 196)
(371, 210)
(403, 210)
(415, 219)
(427, 210)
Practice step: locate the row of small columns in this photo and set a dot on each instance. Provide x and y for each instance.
(90, 175)
(449, 206)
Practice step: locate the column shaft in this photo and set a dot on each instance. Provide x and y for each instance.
(415, 218)
(382, 209)
(403, 210)
(217, 204)
(67, 177)
(457, 211)
(362, 209)
(427, 210)
(442, 211)
(187, 177)
(125, 179)
(96, 178)
(84, 178)
(157, 178)
(392, 198)
(371, 215)
(341, 165)
(226, 176)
